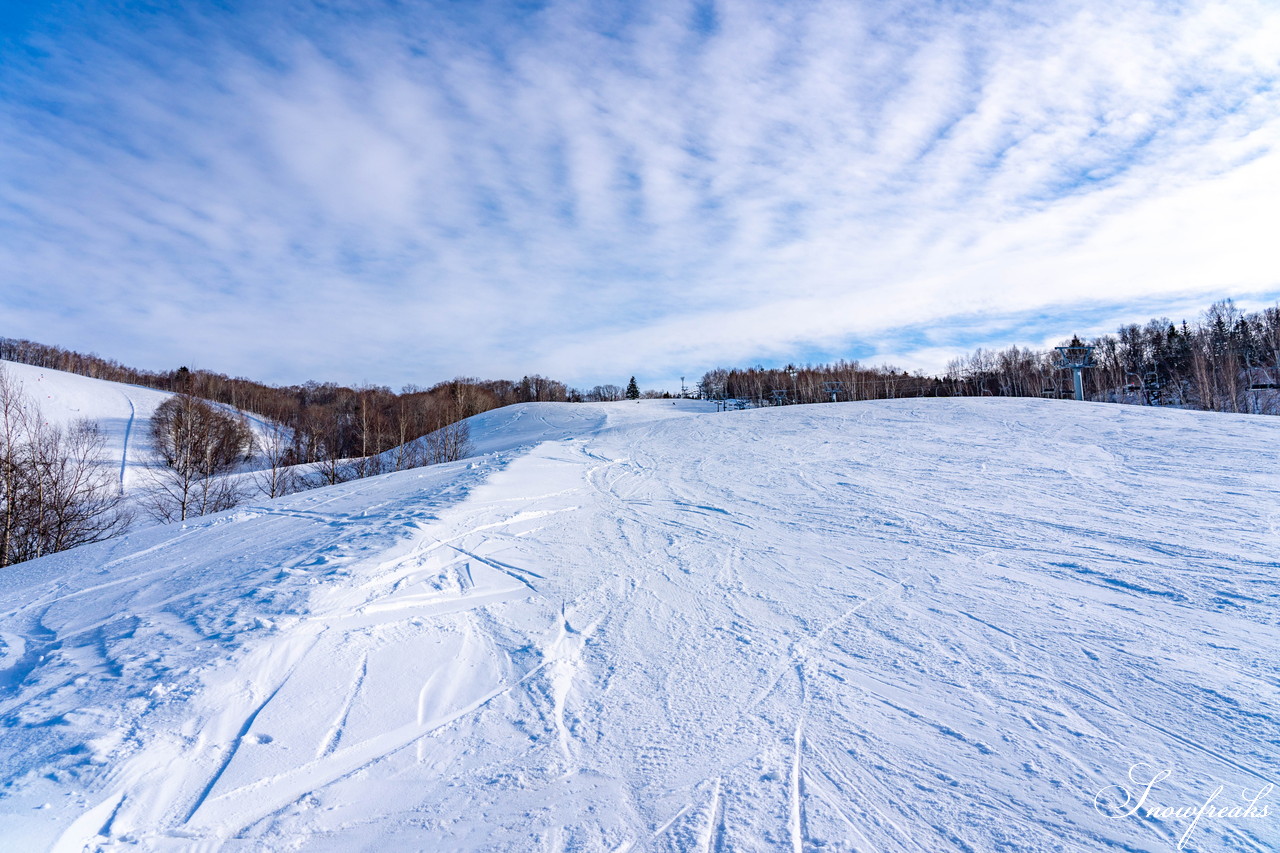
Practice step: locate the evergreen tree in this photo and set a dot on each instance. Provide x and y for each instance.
(633, 390)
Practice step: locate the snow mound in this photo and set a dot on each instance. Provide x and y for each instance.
(527, 424)
(894, 626)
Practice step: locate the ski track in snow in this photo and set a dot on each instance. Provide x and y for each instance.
(124, 449)
(901, 626)
(119, 410)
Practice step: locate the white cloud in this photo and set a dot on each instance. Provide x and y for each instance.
(373, 197)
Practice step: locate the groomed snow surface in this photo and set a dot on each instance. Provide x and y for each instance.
(924, 625)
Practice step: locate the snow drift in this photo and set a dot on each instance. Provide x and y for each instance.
(893, 626)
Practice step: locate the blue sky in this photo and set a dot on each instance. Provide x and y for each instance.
(404, 192)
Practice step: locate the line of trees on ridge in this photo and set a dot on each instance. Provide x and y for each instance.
(1228, 361)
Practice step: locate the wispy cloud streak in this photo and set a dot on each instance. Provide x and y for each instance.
(592, 190)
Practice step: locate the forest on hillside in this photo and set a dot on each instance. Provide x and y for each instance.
(325, 422)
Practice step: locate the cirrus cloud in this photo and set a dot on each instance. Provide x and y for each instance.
(369, 192)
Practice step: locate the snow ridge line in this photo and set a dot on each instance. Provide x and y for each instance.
(797, 742)
(506, 568)
(330, 742)
(710, 841)
(231, 753)
(257, 799)
(244, 730)
(796, 818)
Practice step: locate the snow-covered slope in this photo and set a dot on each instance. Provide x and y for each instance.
(515, 427)
(123, 412)
(900, 626)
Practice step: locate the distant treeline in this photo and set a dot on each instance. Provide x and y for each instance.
(823, 383)
(1228, 361)
(326, 422)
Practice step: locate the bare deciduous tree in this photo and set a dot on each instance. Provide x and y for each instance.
(198, 447)
(328, 448)
(449, 443)
(55, 490)
(604, 394)
(275, 445)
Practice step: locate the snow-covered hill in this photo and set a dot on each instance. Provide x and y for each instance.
(899, 626)
(123, 412)
(523, 426)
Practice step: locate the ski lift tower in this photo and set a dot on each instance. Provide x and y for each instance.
(1076, 357)
(834, 389)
